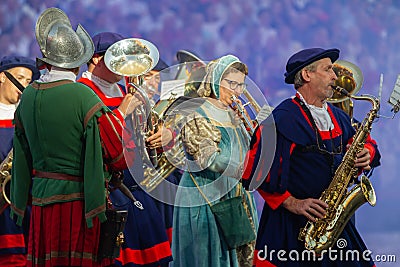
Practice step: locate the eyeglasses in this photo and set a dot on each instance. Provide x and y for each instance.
(233, 85)
(323, 150)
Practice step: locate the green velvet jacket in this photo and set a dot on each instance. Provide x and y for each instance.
(56, 131)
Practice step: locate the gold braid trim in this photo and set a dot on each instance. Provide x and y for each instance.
(200, 139)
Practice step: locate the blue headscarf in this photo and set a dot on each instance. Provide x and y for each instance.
(214, 72)
(222, 65)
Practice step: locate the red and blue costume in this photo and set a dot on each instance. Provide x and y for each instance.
(13, 238)
(146, 241)
(299, 169)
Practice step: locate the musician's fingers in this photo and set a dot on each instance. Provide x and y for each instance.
(237, 100)
(367, 168)
(317, 211)
(153, 137)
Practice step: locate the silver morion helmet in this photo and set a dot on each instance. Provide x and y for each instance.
(61, 46)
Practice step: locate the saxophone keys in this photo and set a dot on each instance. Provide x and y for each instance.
(323, 239)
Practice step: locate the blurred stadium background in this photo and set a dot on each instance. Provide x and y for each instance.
(263, 34)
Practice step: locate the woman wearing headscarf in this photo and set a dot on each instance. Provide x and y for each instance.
(215, 143)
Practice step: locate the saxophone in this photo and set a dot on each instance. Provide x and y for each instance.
(342, 204)
(5, 178)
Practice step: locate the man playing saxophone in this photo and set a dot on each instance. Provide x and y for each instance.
(311, 140)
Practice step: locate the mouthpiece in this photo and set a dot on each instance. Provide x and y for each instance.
(340, 90)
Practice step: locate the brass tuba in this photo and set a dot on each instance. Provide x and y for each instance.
(168, 160)
(5, 178)
(322, 234)
(133, 58)
(349, 77)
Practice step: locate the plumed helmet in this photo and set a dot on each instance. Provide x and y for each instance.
(61, 46)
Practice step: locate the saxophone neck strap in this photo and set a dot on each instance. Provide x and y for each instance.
(328, 157)
(310, 117)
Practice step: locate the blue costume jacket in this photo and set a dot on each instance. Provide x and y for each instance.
(12, 237)
(146, 241)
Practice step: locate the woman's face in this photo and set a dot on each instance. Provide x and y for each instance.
(231, 84)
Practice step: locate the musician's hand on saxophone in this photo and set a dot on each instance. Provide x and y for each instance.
(363, 159)
(242, 114)
(311, 208)
(239, 108)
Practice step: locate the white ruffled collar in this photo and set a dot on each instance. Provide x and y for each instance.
(56, 74)
(320, 115)
(7, 111)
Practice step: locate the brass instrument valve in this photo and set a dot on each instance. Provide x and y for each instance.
(120, 239)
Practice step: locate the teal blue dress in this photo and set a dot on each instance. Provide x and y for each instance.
(215, 143)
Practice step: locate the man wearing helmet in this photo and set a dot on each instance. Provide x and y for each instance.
(58, 152)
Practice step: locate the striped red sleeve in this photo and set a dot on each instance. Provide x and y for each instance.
(115, 140)
(274, 200)
(118, 113)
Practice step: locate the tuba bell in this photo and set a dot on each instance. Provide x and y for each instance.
(349, 77)
(131, 57)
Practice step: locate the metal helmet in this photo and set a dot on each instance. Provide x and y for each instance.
(61, 46)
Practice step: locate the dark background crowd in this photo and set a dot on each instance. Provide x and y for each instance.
(263, 34)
